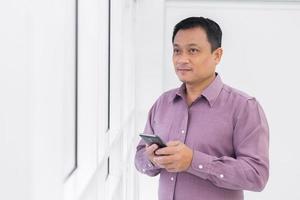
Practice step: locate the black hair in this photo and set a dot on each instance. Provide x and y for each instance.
(212, 29)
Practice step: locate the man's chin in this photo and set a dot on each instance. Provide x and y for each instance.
(184, 80)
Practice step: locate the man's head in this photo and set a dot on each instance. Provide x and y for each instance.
(196, 49)
(211, 28)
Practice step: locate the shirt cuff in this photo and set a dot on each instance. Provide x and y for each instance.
(201, 165)
(149, 168)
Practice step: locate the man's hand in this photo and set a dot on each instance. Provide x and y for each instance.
(150, 152)
(176, 157)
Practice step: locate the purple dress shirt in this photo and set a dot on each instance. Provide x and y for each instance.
(228, 132)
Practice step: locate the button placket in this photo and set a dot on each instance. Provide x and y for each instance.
(183, 127)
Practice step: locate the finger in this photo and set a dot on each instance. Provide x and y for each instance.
(152, 148)
(166, 151)
(173, 143)
(164, 160)
(153, 161)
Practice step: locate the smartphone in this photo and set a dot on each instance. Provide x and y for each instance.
(153, 139)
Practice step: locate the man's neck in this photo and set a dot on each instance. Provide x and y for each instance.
(194, 90)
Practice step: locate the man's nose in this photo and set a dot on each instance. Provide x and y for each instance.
(182, 58)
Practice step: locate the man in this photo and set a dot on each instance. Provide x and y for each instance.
(217, 137)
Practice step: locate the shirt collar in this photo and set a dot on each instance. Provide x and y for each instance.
(210, 93)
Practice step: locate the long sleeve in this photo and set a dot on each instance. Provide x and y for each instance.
(249, 169)
(142, 163)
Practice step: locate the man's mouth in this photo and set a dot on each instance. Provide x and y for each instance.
(184, 69)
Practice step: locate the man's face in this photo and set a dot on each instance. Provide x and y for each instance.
(192, 57)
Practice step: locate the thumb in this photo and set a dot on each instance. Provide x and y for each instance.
(152, 147)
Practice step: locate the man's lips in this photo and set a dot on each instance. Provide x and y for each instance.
(184, 69)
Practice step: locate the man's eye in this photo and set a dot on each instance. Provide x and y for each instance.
(194, 50)
(176, 51)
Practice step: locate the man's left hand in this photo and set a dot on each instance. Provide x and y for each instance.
(176, 157)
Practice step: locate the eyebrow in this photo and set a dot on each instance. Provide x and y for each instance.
(189, 45)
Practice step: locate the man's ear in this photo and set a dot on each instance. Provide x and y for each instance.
(217, 55)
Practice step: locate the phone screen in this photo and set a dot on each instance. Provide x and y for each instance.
(153, 139)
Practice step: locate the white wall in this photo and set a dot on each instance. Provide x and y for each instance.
(37, 102)
(31, 76)
(14, 85)
(260, 41)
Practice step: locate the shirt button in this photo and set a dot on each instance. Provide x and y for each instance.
(144, 170)
(172, 179)
(200, 166)
(182, 131)
(221, 176)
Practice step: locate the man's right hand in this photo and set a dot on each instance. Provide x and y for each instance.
(150, 152)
